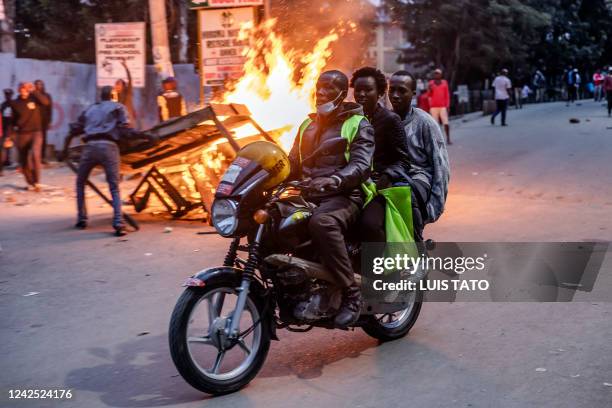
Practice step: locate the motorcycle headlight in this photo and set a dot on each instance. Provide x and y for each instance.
(225, 216)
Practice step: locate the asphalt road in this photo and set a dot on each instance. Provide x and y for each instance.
(89, 312)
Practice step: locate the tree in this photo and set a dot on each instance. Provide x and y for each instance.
(64, 29)
(469, 38)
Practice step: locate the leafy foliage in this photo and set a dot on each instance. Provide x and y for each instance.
(470, 39)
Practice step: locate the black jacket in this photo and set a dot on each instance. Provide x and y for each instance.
(391, 154)
(27, 113)
(327, 164)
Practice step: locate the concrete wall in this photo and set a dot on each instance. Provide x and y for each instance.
(73, 88)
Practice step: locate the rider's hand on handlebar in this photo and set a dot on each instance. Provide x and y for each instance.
(322, 184)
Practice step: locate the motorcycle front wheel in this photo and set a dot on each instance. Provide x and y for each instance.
(204, 355)
(393, 326)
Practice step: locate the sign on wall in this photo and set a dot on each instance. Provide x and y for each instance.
(221, 50)
(117, 42)
(224, 3)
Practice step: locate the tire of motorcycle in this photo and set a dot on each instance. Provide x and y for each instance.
(374, 328)
(177, 336)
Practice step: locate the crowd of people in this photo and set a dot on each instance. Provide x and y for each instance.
(26, 119)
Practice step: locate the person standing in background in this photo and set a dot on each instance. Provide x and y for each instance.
(519, 80)
(503, 86)
(47, 116)
(423, 100)
(539, 85)
(123, 93)
(439, 101)
(27, 119)
(572, 82)
(607, 86)
(170, 102)
(7, 120)
(598, 80)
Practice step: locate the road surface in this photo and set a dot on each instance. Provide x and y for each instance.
(96, 317)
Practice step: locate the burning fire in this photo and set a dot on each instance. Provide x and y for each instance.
(278, 85)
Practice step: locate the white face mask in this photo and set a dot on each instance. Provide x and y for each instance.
(327, 108)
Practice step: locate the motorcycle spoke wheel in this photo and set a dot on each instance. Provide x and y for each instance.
(213, 353)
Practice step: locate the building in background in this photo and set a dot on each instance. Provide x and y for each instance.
(389, 41)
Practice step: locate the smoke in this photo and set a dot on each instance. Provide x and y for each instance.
(304, 22)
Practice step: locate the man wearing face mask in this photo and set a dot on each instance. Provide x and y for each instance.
(336, 179)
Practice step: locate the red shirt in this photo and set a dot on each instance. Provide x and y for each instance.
(423, 101)
(608, 83)
(438, 94)
(598, 78)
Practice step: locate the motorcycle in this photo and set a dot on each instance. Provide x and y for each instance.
(222, 324)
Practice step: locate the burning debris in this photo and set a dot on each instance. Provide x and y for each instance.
(269, 102)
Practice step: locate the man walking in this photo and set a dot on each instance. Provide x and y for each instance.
(27, 119)
(103, 123)
(47, 116)
(502, 86)
(439, 101)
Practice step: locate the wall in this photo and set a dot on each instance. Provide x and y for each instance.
(73, 88)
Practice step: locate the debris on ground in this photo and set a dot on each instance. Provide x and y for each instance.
(31, 294)
(144, 333)
(167, 230)
(540, 370)
(148, 254)
(574, 120)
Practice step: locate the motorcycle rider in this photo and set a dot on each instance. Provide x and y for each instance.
(429, 171)
(336, 180)
(391, 161)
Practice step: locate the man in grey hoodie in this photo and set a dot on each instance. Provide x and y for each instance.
(429, 167)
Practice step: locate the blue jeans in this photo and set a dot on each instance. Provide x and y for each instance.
(105, 154)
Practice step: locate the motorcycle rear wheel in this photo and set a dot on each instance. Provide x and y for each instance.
(393, 326)
(187, 353)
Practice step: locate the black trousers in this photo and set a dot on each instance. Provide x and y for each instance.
(43, 151)
(572, 93)
(328, 226)
(609, 97)
(502, 107)
(29, 147)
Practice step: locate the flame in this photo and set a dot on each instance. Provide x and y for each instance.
(278, 84)
(278, 87)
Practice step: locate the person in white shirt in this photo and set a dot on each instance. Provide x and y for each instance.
(502, 86)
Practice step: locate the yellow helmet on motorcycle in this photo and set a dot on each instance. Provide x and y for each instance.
(271, 158)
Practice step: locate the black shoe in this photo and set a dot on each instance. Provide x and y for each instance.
(503, 124)
(492, 120)
(350, 308)
(80, 225)
(120, 231)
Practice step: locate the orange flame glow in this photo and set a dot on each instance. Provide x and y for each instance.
(278, 85)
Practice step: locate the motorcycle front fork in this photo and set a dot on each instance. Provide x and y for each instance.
(247, 277)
